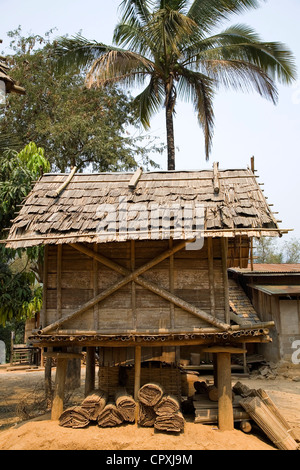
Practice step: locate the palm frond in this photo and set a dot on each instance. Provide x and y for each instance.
(241, 75)
(134, 37)
(209, 13)
(76, 52)
(237, 34)
(179, 5)
(168, 29)
(138, 10)
(119, 65)
(149, 101)
(272, 58)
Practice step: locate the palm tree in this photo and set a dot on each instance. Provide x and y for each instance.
(169, 45)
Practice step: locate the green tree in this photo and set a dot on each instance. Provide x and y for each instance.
(20, 293)
(267, 251)
(292, 251)
(93, 129)
(171, 46)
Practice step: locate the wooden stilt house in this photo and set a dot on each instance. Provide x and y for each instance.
(139, 261)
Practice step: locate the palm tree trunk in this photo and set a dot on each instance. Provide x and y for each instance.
(170, 134)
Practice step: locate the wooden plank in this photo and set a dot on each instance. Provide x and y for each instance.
(225, 349)
(95, 287)
(225, 407)
(171, 285)
(224, 244)
(211, 278)
(133, 285)
(135, 178)
(137, 378)
(58, 281)
(45, 286)
(59, 391)
(90, 370)
(216, 182)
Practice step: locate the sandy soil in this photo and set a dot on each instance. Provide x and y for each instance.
(20, 392)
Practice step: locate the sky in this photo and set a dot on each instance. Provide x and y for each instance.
(246, 125)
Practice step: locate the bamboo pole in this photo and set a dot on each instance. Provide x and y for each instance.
(58, 191)
(171, 285)
(45, 286)
(137, 378)
(58, 281)
(95, 287)
(224, 248)
(133, 285)
(211, 277)
(90, 370)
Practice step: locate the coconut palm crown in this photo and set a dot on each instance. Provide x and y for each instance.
(169, 47)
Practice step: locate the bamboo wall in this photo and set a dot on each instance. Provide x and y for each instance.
(72, 278)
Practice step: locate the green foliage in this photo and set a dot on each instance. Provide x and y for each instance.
(17, 171)
(18, 300)
(266, 251)
(20, 294)
(270, 250)
(92, 129)
(34, 159)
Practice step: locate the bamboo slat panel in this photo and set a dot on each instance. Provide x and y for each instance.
(169, 378)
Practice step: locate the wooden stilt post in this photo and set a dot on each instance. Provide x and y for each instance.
(60, 379)
(215, 364)
(137, 377)
(90, 370)
(59, 391)
(225, 408)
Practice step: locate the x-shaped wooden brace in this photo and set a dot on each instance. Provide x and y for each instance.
(136, 276)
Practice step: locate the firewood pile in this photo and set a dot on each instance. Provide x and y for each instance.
(156, 409)
(249, 406)
(205, 403)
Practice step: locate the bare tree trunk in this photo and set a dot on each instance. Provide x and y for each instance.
(170, 134)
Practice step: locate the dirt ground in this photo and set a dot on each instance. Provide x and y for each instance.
(22, 428)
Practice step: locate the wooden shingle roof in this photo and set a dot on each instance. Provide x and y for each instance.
(10, 84)
(85, 209)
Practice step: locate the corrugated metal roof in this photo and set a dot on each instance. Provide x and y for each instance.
(269, 269)
(277, 290)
